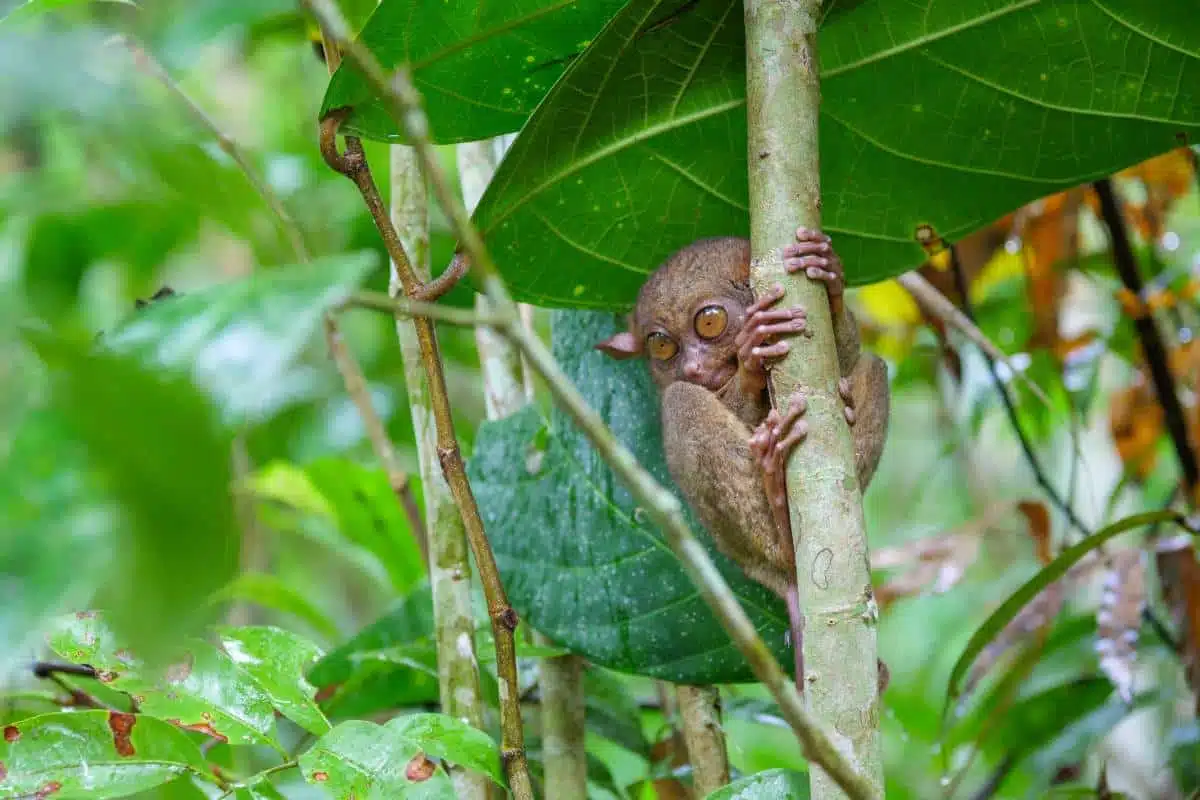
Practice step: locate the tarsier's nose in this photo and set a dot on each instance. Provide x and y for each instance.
(692, 369)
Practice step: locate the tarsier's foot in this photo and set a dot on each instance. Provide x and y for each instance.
(756, 340)
(813, 253)
(847, 399)
(772, 442)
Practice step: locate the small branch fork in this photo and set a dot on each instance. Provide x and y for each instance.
(404, 104)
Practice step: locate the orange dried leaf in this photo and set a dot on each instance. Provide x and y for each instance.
(1119, 618)
(1038, 517)
(1135, 420)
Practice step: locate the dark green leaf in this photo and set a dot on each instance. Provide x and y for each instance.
(362, 760)
(239, 340)
(1047, 575)
(93, 755)
(203, 689)
(481, 67)
(155, 445)
(947, 119)
(771, 784)
(612, 711)
(277, 660)
(272, 592)
(576, 555)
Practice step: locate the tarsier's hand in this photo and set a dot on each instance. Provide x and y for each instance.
(771, 444)
(813, 253)
(756, 340)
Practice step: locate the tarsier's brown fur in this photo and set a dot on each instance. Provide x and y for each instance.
(725, 448)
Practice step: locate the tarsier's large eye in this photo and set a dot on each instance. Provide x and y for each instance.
(660, 346)
(711, 322)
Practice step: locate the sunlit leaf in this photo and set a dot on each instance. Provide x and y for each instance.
(93, 755)
(772, 784)
(277, 661)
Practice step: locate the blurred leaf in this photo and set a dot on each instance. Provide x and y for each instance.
(93, 755)
(240, 340)
(28, 9)
(1119, 617)
(641, 147)
(1011, 607)
(773, 784)
(358, 688)
(577, 559)
(481, 68)
(1065, 723)
(179, 541)
(361, 759)
(270, 591)
(612, 712)
(369, 514)
(203, 690)
(277, 660)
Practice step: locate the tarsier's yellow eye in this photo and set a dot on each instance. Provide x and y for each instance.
(711, 322)
(660, 346)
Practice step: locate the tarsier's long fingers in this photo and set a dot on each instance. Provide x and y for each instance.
(814, 254)
(844, 390)
(764, 302)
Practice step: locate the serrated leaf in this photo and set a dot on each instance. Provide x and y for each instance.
(270, 591)
(577, 557)
(93, 755)
(239, 340)
(202, 690)
(641, 146)
(1056, 569)
(362, 760)
(481, 67)
(277, 660)
(771, 784)
(132, 423)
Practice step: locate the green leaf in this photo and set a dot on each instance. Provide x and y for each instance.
(33, 8)
(362, 760)
(367, 686)
(578, 558)
(155, 445)
(948, 120)
(93, 755)
(370, 515)
(270, 591)
(612, 711)
(482, 68)
(453, 740)
(203, 689)
(239, 340)
(771, 784)
(277, 660)
(1030, 589)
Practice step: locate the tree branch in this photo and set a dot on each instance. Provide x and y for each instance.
(403, 103)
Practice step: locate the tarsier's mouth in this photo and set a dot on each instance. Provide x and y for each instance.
(722, 380)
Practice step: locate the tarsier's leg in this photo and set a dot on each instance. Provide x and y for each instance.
(772, 443)
(865, 393)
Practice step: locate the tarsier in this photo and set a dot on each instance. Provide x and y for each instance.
(709, 344)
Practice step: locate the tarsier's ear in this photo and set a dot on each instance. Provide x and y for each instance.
(621, 346)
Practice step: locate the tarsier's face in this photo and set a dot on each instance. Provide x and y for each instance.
(689, 313)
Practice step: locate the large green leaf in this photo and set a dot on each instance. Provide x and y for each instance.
(156, 448)
(578, 558)
(93, 755)
(277, 660)
(482, 67)
(771, 784)
(203, 690)
(239, 340)
(948, 119)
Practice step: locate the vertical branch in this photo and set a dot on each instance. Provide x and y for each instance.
(449, 564)
(824, 496)
(507, 388)
(700, 712)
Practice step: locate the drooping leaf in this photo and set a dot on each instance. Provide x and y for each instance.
(270, 591)
(1011, 607)
(771, 784)
(482, 68)
(1119, 618)
(93, 755)
(202, 690)
(133, 422)
(277, 660)
(577, 556)
(239, 340)
(641, 147)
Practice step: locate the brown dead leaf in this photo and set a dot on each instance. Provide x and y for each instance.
(1179, 575)
(1119, 618)
(1135, 420)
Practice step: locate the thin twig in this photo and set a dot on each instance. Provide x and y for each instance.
(147, 63)
(403, 102)
(402, 307)
(381, 443)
